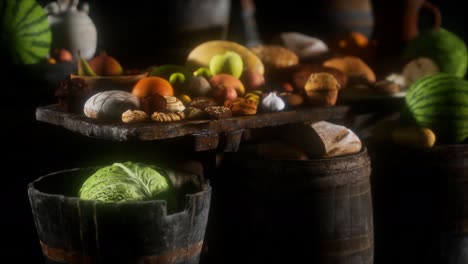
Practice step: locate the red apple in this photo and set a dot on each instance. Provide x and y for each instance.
(226, 87)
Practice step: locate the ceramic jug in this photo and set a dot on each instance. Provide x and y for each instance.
(72, 28)
(344, 16)
(397, 22)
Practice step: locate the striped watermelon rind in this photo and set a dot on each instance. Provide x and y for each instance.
(25, 31)
(444, 47)
(440, 102)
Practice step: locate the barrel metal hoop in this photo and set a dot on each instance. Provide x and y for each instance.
(348, 246)
(62, 255)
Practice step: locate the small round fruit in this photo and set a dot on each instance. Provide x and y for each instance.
(252, 80)
(52, 61)
(185, 99)
(61, 55)
(152, 85)
(198, 86)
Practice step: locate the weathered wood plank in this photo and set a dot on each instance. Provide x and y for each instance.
(159, 131)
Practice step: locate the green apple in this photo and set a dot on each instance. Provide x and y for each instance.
(229, 62)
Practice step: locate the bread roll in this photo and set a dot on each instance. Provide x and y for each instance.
(322, 89)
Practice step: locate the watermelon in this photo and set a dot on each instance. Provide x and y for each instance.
(440, 102)
(445, 48)
(25, 32)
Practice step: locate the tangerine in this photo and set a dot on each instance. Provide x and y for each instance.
(152, 85)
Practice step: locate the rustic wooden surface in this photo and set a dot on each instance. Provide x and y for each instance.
(207, 133)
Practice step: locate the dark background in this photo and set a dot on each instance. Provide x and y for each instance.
(139, 33)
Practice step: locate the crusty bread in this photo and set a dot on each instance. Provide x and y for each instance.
(275, 56)
(355, 68)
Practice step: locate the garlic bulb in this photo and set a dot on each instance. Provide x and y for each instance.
(273, 103)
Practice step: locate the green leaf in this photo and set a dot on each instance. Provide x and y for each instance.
(128, 182)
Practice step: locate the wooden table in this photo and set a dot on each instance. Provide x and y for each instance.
(223, 134)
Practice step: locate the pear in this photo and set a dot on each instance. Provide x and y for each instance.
(84, 68)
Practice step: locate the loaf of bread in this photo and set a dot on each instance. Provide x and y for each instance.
(110, 104)
(275, 56)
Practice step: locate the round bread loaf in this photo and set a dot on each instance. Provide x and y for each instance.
(275, 56)
(110, 104)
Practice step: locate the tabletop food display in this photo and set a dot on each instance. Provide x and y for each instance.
(300, 88)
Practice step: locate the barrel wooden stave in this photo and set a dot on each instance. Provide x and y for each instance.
(71, 230)
(320, 210)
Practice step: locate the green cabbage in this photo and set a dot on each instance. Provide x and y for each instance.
(128, 182)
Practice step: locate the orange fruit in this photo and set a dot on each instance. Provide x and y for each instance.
(152, 85)
(352, 40)
(360, 39)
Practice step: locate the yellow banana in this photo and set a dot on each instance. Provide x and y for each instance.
(254, 96)
(201, 55)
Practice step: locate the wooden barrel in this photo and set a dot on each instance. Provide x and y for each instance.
(451, 162)
(288, 211)
(72, 230)
(420, 203)
(406, 198)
